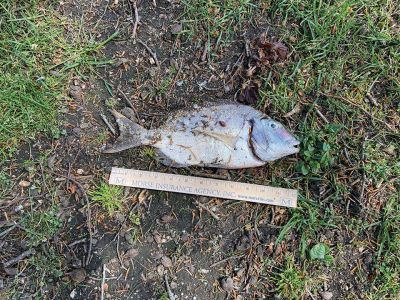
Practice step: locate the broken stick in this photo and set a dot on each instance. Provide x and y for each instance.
(153, 54)
(135, 25)
(19, 257)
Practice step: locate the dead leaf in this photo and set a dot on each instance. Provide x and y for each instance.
(105, 287)
(143, 196)
(279, 249)
(122, 61)
(167, 218)
(250, 94)
(72, 188)
(271, 51)
(251, 71)
(295, 110)
(227, 284)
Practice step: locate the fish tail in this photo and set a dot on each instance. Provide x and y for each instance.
(130, 134)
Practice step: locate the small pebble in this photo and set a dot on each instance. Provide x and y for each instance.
(119, 217)
(131, 253)
(227, 284)
(166, 261)
(76, 93)
(24, 183)
(152, 72)
(78, 275)
(11, 271)
(326, 295)
(73, 294)
(84, 125)
(160, 270)
(176, 28)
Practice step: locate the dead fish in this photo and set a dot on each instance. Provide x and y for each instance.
(227, 135)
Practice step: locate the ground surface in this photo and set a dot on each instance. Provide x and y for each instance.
(332, 78)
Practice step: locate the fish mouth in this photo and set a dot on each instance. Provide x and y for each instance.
(294, 145)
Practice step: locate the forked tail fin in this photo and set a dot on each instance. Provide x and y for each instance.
(130, 134)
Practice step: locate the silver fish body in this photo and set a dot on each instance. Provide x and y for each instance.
(228, 135)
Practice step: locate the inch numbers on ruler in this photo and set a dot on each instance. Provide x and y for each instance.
(204, 186)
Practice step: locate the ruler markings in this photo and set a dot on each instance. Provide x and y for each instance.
(206, 187)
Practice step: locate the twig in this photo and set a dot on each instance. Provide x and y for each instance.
(153, 54)
(207, 209)
(126, 99)
(319, 113)
(204, 55)
(372, 99)
(104, 118)
(203, 86)
(135, 25)
(89, 214)
(19, 257)
(247, 47)
(311, 295)
(238, 65)
(119, 255)
(171, 295)
(8, 230)
(8, 203)
(363, 171)
(70, 245)
(133, 209)
(295, 110)
(175, 79)
(224, 260)
(360, 107)
(103, 281)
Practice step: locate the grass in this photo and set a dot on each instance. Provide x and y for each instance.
(344, 52)
(339, 49)
(148, 152)
(291, 283)
(47, 264)
(217, 20)
(387, 256)
(380, 164)
(5, 183)
(110, 197)
(36, 61)
(40, 226)
(307, 220)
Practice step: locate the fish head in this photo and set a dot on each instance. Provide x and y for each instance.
(270, 140)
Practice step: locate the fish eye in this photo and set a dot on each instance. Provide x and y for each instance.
(273, 125)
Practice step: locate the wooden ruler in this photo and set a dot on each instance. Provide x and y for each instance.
(204, 186)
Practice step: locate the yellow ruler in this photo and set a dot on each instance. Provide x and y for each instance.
(204, 187)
